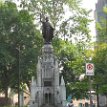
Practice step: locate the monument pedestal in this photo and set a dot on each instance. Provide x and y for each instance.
(46, 89)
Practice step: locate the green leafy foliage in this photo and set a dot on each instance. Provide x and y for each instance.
(72, 63)
(20, 44)
(72, 26)
(79, 90)
(21, 40)
(100, 62)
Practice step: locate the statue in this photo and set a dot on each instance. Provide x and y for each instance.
(47, 31)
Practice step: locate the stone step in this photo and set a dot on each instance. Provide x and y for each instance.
(47, 105)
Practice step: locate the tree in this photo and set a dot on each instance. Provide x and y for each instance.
(72, 63)
(100, 61)
(74, 27)
(78, 90)
(6, 59)
(20, 44)
(28, 40)
(100, 51)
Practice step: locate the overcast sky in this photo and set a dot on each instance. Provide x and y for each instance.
(90, 4)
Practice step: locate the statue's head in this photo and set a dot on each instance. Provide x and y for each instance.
(47, 19)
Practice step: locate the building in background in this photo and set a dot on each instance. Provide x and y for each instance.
(101, 18)
(101, 35)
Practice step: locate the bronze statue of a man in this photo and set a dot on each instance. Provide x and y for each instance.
(47, 31)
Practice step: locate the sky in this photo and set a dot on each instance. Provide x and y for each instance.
(90, 4)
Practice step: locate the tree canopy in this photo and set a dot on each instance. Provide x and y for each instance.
(20, 43)
(21, 40)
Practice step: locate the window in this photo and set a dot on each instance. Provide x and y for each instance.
(47, 83)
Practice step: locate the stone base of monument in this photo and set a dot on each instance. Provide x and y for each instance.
(47, 105)
(48, 90)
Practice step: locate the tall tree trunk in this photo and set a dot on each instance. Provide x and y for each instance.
(97, 88)
(98, 100)
(6, 95)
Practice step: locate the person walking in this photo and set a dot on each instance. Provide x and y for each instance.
(71, 104)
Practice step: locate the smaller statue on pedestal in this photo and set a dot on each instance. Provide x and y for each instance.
(47, 31)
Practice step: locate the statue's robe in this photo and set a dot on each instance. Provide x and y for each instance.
(47, 32)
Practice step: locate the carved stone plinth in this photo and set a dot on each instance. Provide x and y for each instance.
(46, 89)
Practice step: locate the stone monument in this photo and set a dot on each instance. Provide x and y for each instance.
(48, 90)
